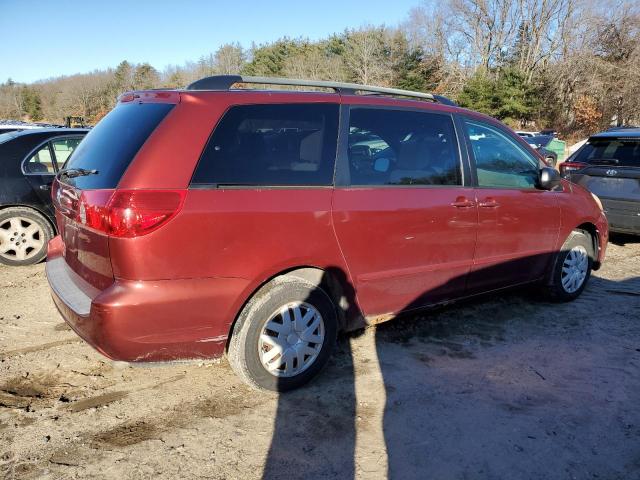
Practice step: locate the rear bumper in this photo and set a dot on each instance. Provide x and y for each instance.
(147, 321)
(623, 216)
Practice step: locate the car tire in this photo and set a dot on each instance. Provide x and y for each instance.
(551, 161)
(572, 268)
(268, 325)
(24, 234)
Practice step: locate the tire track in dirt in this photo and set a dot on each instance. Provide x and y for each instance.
(38, 348)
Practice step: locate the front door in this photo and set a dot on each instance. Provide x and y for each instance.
(404, 220)
(518, 224)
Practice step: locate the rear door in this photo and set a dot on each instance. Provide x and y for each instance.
(518, 224)
(403, 216)
(43, 164)
(40, 170)
(613, 173)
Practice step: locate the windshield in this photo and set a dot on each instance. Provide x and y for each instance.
(611, 151)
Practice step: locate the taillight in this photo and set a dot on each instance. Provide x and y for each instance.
(132, 213)
(567, 167)
(124, 213)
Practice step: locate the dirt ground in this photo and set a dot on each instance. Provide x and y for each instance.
(501, 387)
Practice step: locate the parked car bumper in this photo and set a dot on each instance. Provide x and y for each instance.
(623, 215)
(156, 320)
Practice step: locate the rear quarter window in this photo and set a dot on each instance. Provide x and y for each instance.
(112, 144)
(271, 145)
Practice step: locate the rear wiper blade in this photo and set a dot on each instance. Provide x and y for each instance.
(604, 161)
(75, 172)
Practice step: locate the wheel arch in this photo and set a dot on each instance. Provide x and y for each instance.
(35, 209)
(333, 280)
(592, 230)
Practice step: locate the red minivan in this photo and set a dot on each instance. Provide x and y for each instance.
(261, 222)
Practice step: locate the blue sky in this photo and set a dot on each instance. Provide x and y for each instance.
(42, 39)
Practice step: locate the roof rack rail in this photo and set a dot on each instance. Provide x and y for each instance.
(225, 82)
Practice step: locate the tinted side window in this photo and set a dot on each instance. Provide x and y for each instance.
(500, 161)
(402, 147)
(272, 145)
(113, 143)
(41, 161)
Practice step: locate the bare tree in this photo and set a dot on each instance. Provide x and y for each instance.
(365, 56)
(229, 59)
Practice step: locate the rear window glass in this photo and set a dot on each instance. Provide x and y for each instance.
(617, 151)
(271, 145)
(112, 144)
(539, 141)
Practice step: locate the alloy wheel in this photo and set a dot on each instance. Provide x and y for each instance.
(20, 238)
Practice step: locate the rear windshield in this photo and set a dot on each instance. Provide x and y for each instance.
(539, 140)
(112, 144)
(611, 151)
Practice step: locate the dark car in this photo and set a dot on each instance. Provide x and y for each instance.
(29, 161)
(609, 166)
(539, 142)
(260, 223)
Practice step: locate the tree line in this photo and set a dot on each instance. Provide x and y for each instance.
(572, 65)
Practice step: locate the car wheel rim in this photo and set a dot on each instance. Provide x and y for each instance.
(20, 238)
(291, 339)
(574, 269)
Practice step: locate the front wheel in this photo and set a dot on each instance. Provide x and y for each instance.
(284, 335)
(572, 269)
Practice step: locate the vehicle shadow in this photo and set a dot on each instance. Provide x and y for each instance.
(494, 387)
(622, 239)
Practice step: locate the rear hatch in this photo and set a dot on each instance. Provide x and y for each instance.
(85, 190)
(610, 167)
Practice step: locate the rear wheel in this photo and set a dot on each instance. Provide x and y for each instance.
(551, 161)
(573, 267)
(24, 234)
(284, 335)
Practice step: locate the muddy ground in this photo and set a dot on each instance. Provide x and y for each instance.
(502, 387)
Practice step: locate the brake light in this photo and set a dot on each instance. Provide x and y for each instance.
(124, 213)
(132, 213)
(567, 167)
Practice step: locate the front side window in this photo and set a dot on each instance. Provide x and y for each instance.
(500, 161)
(402, 147)
(272, 145)
(41, 162)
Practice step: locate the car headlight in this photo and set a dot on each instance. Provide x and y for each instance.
(598, 201)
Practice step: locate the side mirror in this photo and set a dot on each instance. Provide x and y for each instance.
(549, 178)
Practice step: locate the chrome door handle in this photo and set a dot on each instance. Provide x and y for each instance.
(489, 203)
(463, 202)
